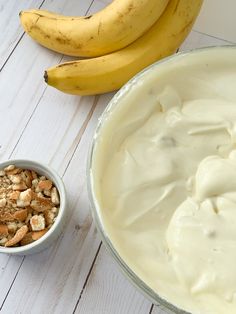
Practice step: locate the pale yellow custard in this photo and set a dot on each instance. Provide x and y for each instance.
(164, 171)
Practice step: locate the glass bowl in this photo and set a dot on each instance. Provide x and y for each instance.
(130, 87)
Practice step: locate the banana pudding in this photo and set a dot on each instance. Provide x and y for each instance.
(164, 179)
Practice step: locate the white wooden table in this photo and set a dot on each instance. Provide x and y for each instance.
(76, 274)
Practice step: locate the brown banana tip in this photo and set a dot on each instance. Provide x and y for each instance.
(20, 13)
(45, 76)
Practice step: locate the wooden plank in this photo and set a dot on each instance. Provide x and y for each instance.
(199, 40)
(9, 22)
(109, 291)
(217, 19)
(158, 309)
(98, 5)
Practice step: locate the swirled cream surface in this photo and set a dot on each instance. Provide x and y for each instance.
(164, 171)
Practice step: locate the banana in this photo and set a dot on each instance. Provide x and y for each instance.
(108, 73)
(112, 28)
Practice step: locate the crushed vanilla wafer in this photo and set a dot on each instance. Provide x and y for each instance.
(29, 204)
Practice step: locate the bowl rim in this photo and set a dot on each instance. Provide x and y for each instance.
(51, 174)
(95, 208)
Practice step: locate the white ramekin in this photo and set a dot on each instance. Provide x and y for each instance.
(53, 233)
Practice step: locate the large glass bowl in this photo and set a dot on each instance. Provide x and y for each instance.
(96, 210)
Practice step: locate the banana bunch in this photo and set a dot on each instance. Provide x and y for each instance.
(120, 40)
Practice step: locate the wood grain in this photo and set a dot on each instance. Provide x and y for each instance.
(9, 22)
(106, 283)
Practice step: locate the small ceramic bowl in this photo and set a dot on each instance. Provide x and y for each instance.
(53, 233)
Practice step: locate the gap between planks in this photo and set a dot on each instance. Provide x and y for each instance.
(17, 43)
(12, 283)
(151, 308)
(82, 129)
(87, 278)
(215, 37)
